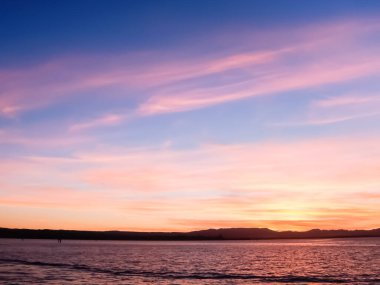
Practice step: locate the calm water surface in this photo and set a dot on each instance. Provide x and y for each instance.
(332, 261)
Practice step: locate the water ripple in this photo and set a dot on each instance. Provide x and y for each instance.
(199, 276)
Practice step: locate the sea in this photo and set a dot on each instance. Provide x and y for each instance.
(319, 261)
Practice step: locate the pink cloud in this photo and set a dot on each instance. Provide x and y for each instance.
(337, 109)
(332, 118)
(297, 184)
(283, 182)
(347, 100)
(175, 84)
(51, 197)
(268, 80)
(319, 164)
(106, 120)
(42, 141)
(307, 63)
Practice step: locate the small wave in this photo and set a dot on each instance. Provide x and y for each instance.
(54, 264)
(200, 276)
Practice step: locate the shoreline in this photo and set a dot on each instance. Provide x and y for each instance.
(229, 234)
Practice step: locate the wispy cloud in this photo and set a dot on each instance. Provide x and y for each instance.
(278, 181)
(336, 109)
(347, 100)
(179, 84)
(323, 120)
(273, 81)
(106, 120)
(44, 141)
(55, 166)
(300, 66)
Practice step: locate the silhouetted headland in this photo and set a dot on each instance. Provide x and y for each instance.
(210, 234)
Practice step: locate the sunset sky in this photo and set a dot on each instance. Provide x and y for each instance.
(183, 115)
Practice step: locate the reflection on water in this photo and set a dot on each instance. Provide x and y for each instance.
(326, 261)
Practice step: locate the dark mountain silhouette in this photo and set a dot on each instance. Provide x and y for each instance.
(210, 234)
(263, 233)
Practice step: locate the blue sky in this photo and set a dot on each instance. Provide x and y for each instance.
(37, 30)
(178, 115)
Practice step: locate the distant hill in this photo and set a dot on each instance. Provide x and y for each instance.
(210, 234)
(263, 233)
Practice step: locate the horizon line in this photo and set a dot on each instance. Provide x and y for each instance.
(191, 231)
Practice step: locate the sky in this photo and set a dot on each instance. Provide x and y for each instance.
(186, 115)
